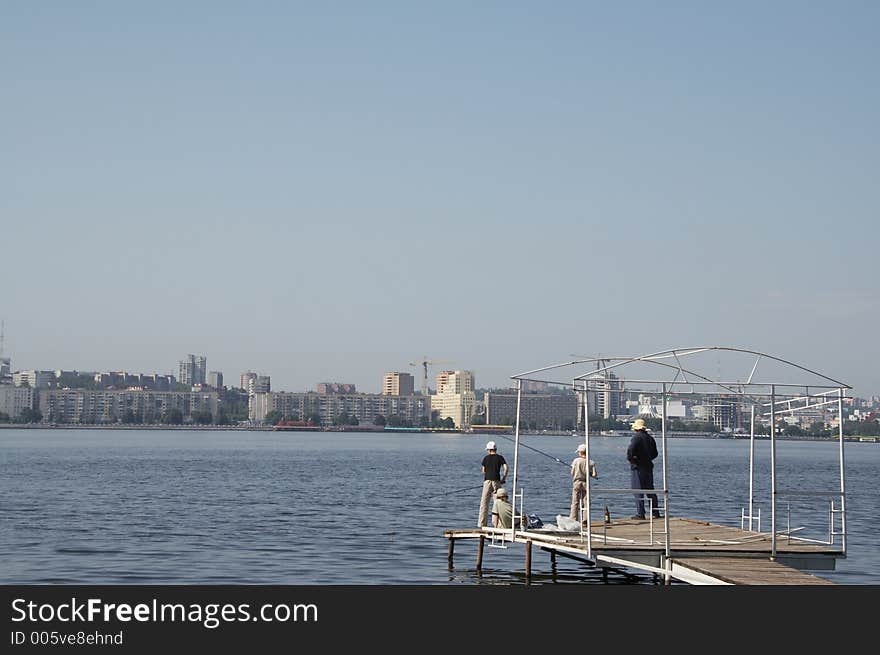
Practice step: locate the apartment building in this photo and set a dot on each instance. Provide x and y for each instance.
(544, 411)
(13, 400)
(364, 406)
(112, 406)
(398, 384)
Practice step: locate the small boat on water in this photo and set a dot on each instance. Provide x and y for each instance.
(295, 426)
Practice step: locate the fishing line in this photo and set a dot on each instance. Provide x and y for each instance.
(541, 452)
(479, 486)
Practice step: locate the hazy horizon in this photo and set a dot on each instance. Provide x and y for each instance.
(328, 193)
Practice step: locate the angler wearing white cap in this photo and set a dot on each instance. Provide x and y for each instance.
(494, 475)
(579, 480)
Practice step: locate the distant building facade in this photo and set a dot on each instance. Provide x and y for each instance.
(193, 370)
(125, 380)
(89, 406)
(605, 397)
(534, 386)
(674, 409)
(364, 406)
(335, 387)
(34, 379)
(455, 382)
(215, 379)
(14, 400)
(557, 411)
(259, 384)
(245, 380)
(398, 384)
(724, 412)
(455, 397)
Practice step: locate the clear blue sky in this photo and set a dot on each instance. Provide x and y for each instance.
(327, 191)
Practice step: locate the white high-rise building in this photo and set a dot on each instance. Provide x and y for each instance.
(455, 397)
(455, 381)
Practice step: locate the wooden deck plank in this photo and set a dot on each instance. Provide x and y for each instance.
(721, 552)
(750, 571)
(685, 534)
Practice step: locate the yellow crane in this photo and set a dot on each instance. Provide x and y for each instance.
(424, 364)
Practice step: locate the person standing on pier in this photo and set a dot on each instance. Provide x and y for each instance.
(579, 480)
(494, 468)
(640, 454)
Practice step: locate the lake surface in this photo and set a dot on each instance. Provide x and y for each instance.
(232, 507)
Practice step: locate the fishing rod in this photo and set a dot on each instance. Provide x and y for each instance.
(479, 486)
(541, 452)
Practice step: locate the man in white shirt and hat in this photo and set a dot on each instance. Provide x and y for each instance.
(579, 470)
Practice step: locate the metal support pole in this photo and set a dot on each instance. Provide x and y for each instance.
(586, 515)
(751, 467)
(480, 552)
(842, 475)
(831, 524)
(515, 460)
(451, 551)
(788, 530)
(773, 472)
(665, 483)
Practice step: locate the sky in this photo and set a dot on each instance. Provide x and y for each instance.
(329, 191)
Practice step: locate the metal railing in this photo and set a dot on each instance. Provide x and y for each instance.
(832, 512)
(649, 514)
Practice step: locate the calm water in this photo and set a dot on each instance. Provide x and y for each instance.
(297, 508)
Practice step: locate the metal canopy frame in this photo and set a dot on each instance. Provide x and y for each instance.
(769, 397)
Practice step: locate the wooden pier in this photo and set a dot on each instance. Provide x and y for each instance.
(699, 552)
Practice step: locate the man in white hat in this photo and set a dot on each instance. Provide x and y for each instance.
(640, 454)
(579, 480)
(502, 511)
(494, 468)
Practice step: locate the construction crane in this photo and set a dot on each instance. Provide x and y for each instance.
(424, 364)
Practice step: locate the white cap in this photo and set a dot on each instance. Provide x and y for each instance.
(490, 445)
(582, 448)
(501, 493)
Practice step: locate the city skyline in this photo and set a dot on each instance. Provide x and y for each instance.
(330, 193)
(374, 384)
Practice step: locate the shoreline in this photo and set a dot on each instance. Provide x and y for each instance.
(271, 428)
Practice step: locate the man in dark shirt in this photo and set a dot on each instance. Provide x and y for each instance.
(494, 469)
(640, 454)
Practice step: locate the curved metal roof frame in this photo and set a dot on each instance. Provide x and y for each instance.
(676, 353)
